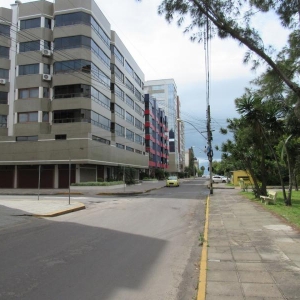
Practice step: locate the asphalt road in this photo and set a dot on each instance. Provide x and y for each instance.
(139, 248)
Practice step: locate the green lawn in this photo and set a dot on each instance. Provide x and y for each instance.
(290, 213)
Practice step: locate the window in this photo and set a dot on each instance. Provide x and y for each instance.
(117, 54)
(72, 91)
(129, 135)
(47, 45)
(29, 46)
(119, 111)
(129, 149)
(138, 139)
(129, 118)
(30, 23)
(138, 151)
(137, 80)
(138, 124)
(29, 93)
(117, 91)
(46, 69)
(129, 85)
(3, 97)
(129, 102)
(29, 69)
(46, 92)
(100, 139)
(45, 117)
(3, 121)
(129, 69)
(60, 136)
(79, 41)
(26, 138)
(28, 117)
(138, 95)
(47, 23)
(120, 146)
(4, 73)
(100, 98)
(117, 72)
(4, 30)
(4, 51)
(119, 130)
(139, 110)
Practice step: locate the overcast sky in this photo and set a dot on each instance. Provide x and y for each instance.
(163, 51)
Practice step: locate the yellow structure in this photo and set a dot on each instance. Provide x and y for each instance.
(240, 174)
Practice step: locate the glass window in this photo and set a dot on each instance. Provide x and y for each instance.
(29, 93)
(138, 124)
(139, 110)
(26, 138)
(47, 23)
(29, 69)
(71, 91)
(100, 139)
(28, 117)
(45, 116)
(3, 121)
(46, 69)
(4, 51)
(30, 46)
(3, 97)
(46, 92)
(129, 69)
(119, 111)
(119, 130)
(138, 95)
(30, 23)
(118, 73)
(129, 85)
(4, 30)
(118, 92)
(47, 45)
(138, 139)
(129, 118)
(81, 41)
(129, 135)
(129, 102)
(4, 73)
(117, 54)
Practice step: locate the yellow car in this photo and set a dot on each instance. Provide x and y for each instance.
(172, 181)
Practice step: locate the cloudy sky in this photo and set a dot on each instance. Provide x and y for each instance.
(163, 51)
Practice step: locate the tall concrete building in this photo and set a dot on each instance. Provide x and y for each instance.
(165, 93)
(71, 97)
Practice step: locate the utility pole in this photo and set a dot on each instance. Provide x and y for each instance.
(209, 150)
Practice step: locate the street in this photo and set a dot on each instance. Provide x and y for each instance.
(119, 247)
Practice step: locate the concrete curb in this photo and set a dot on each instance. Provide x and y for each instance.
(203, 261)
(60, 212)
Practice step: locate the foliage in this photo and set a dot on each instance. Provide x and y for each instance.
(234, 19)
(159, 174)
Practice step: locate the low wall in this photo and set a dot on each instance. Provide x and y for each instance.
(96, 188)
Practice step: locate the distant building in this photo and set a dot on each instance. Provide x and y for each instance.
(157, 139)
(71, 97)
(165, 93)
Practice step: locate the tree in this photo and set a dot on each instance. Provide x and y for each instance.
(232, 18)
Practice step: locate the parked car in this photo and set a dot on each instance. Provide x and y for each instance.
(219, 179)
(172, 181)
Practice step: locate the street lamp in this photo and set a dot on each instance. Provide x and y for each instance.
(209, 151)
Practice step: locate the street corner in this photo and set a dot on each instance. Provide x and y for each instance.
(58, 212)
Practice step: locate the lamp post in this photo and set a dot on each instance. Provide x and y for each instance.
(209, 148)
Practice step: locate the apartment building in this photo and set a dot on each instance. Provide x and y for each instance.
(165, 93)
(71, 97)
(157, 137)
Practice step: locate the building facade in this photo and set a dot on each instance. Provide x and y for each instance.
(165, 93)
(71, 97)
(157, 138)
(181, 138)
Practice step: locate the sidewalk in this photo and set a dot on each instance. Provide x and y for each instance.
(53, 208)
(252, 254)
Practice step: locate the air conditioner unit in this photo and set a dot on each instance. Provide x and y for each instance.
(2, 81)
(47, 77)
(46, 52)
